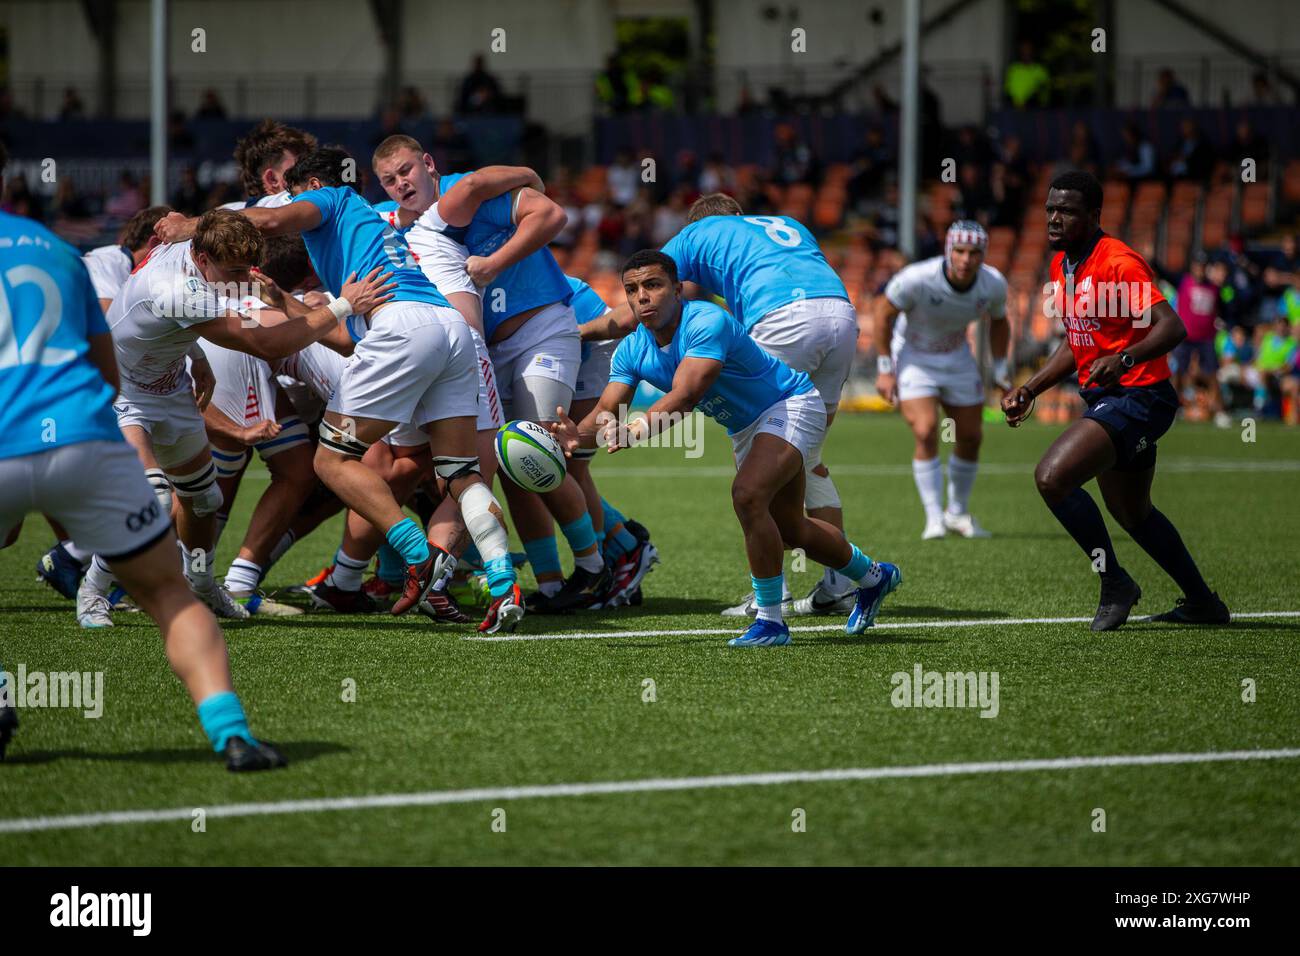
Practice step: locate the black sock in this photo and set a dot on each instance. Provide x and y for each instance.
(1159, 538)
(1080, 516)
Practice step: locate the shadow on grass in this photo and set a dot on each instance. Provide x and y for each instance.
(892, 611)
(295, 751)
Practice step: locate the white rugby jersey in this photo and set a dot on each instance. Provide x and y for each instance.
(440, 257)
(155, 318)
(282, 198)
(934, 314)
(109, 267)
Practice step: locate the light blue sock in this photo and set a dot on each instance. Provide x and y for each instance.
(860, 568)
(620, 542)
(222, 717)
(768, 593)
(500, 574)
(579, 532)
(409, 541)
(391, 567)
(543, 554)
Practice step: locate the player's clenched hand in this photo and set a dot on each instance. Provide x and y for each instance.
(480, 270)
(1105, 372)
(266, 289)
(174, 227)
(205, 383)
(887, 386)
(314, 299)
(368, 293)
(1016, 405)
(565, 432)
(262, 431)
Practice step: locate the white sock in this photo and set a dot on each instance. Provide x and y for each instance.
(99, 578)
(284, 544)
(929, 483)
(961, 478)
(198, 570)
(347, 572)
(549, 588)
(771, 612)
(243, 575)
(80, 555)
(836, 583)
(590, 562)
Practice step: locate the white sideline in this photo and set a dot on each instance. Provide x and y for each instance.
(839, 626)
(657, 784)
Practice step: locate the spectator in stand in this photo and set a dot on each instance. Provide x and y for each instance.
(1193, 157)
(189, 198)
(1247, 144)
(1138, 160)
(179, 137)
(1195, 362)
(870, 164)
(1237, 376)
(1169, 92)
(1276, 361)
(976, 200)
(611, 227)
(623, 179)
(411, 106)
(19, 200)
(70, 204)
(670, 217)
(1008, 196)
(1280, 273)
(716, 177)
(611, 85)
(792, 159)
(1027, 81)
(128, 200)
(210, 107)
(72, 108)
(638, 225)
(451, 149)
(1263, 92)
(479, 90)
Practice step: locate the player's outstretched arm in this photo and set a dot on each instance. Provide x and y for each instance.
(538, 220)
(617, 323)
(1000, 345)
(692, 381)
(282, 340)
(458, 204)
(601, 421)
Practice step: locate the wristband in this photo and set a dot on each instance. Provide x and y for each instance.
(340, 308)
(884, 365)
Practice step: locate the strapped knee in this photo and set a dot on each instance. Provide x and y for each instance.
(200, 487)
(449, 469)
(818, 490)
(162, 488)
(341, 442)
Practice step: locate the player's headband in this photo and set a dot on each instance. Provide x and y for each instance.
(965, 232)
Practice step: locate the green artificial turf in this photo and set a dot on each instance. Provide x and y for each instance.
(436, 712)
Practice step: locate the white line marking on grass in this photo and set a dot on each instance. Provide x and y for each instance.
(815, 628)
(434, 798)
(1001, 468)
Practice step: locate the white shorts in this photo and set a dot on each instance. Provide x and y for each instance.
(309, 377)
(247, 392)
(547, 346)
(800, 420)
(952, 377)
(593, 373)
(95, 489)
(817, 336)
(175, 426)
(489, 402)
(416, 364)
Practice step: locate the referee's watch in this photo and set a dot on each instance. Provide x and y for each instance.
(1126, 360)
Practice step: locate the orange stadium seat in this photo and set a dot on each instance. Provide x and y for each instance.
(1218, 215)
(1291, 181)
(1254, 205)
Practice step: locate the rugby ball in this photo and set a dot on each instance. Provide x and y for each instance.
(529, 455)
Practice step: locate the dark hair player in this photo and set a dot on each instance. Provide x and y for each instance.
(1119, 328)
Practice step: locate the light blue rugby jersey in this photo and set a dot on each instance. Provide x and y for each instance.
(751, 380)
(586, 302)
(756, 263)
(50, 393)
(353, 238)
(534, 281)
